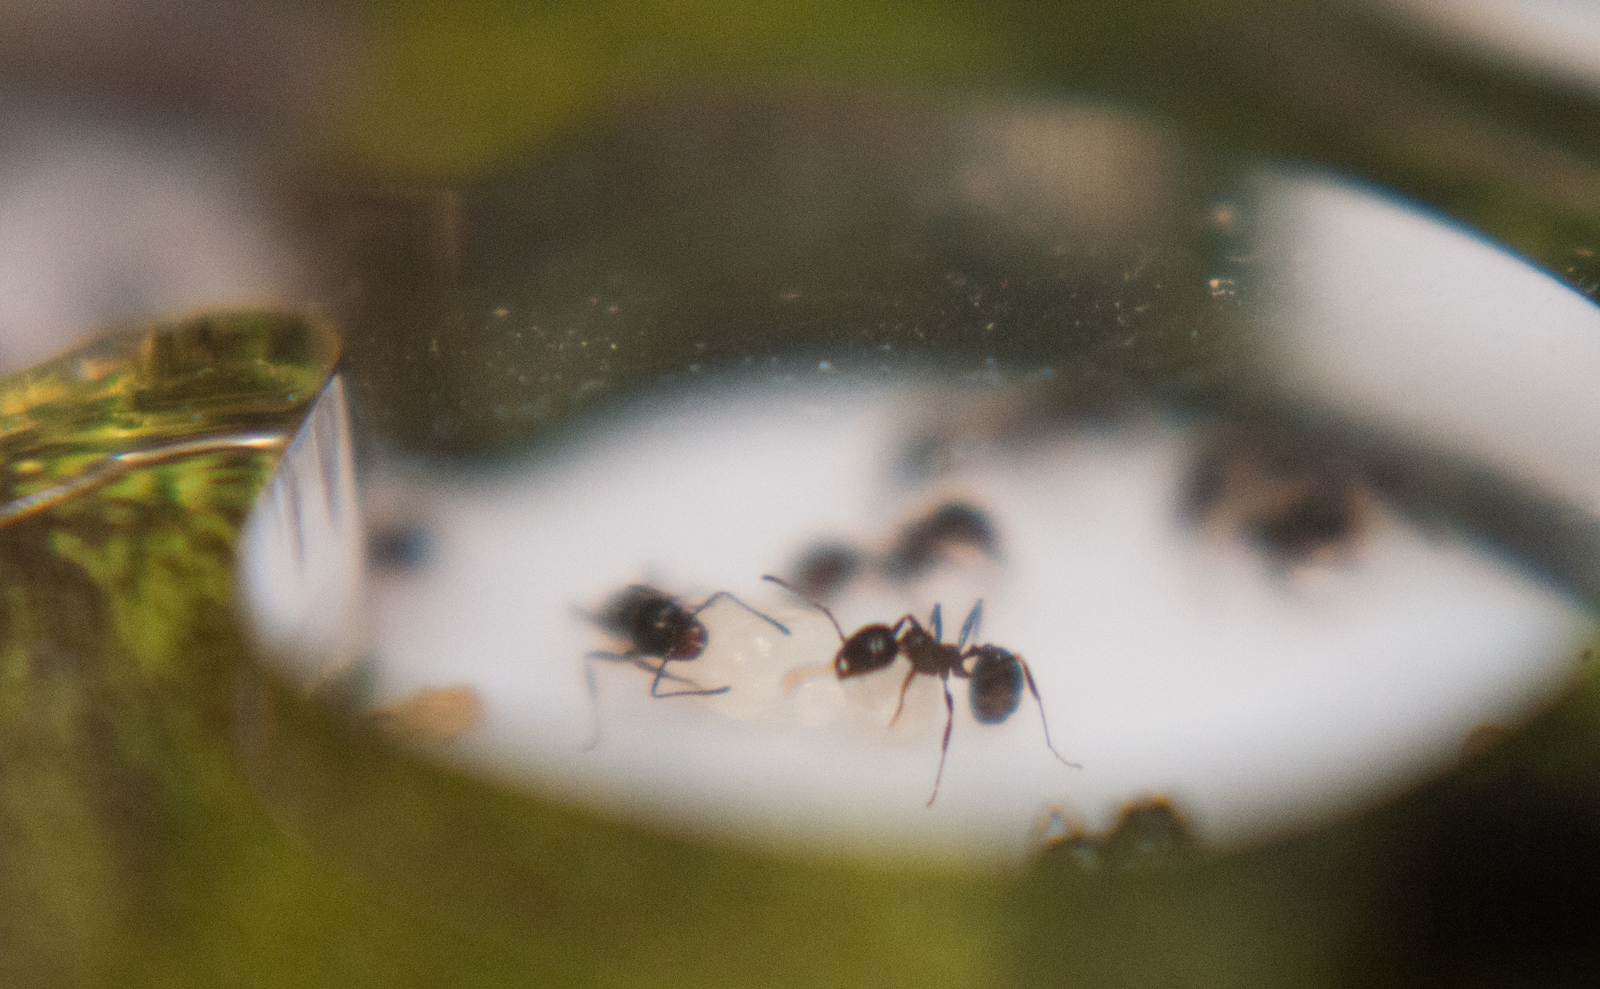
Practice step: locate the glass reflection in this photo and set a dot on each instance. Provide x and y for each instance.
(1259, 568)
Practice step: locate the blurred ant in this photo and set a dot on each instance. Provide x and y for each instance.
(398, 548)
(658, 626)
(825, 569)
(1150, 834)
(925, 542)
(997, 677)
(1295, 504)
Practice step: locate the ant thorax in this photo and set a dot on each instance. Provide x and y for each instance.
(956, 530)
(927, 654)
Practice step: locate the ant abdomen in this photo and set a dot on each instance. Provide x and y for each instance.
(995, 688)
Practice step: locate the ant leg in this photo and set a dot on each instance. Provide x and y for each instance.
(969, 628)
(661, 672)
(1028, 675)
(903, 687)
(944, 750)
(644, 664)
(708, 602)
(938, 624)
(594, 696)
(636, 660)
(594, 686)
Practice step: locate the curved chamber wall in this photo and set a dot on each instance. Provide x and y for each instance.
(1279, 487)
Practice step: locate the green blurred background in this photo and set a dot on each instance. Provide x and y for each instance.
(171, 814)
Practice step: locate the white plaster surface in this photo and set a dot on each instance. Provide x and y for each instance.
(1171, 660)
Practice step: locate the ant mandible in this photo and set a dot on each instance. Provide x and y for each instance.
(997, 676)
(658, 626)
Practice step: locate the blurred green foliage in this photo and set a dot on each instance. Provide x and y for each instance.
(458, 87)
(149, 393)
(455, 90)
(127, 466)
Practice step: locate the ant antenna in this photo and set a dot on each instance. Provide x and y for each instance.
(713, 599)
(815, 604)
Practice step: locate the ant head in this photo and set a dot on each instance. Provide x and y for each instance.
(661, 626)
(689, 641)
(996, 687)
(871, 648)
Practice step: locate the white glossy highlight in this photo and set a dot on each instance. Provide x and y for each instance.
(1558, 39)
(1420, 328)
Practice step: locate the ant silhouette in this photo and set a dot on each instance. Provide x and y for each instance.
(996, 677)
(932, 538)
(924, 543)
(658, 626)
(1296, 504)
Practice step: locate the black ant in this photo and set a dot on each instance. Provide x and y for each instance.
(1295, 505)
(658, 626)
(926, 541)
(825, 569)
(997, 677)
